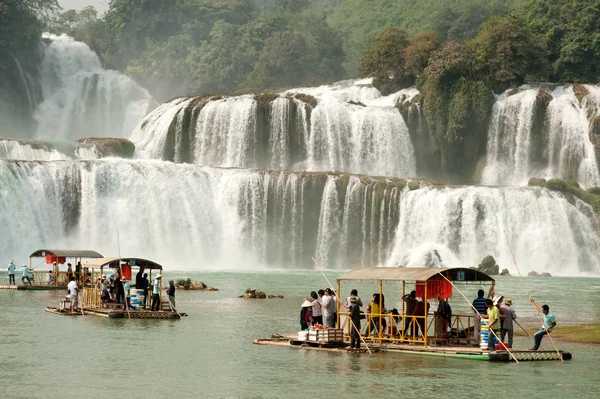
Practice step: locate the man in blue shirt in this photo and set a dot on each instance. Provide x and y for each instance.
(549, 324)
(25, 277)
(11, 272)
(481, 310)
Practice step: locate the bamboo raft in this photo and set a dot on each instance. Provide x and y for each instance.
(63, 312)
(449, 351)
(34, 287)
(133, 314)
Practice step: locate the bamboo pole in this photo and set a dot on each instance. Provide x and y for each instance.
(530, 297)
(490, 329)
(353, 325)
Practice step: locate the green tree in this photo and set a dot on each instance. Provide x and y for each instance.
(511, 53)
(418, 51)
(385, 60)
(571, 29)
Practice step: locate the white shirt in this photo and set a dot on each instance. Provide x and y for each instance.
(72, 287)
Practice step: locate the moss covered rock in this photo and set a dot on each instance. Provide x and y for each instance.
(535, 182)
(580, 91)
(505, 272)
(110, 147)
(557, 185)
(413, 185)
(306, 98)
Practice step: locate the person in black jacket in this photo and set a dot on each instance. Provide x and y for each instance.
(171, 293)
(355, 319)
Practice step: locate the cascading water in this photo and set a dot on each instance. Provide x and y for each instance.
(349, 127)
(533, 136)
(185, 214)
(189, 216)
(461, 226)
(81, 99)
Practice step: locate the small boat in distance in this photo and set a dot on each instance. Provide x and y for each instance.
(93, 301)
(53, 278)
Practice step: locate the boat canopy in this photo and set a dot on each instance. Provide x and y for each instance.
(459, 274)
(114, 263)
(65, 253)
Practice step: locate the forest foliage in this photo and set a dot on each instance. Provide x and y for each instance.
(193, 46)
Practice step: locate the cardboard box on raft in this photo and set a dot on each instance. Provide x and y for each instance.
(326, 335)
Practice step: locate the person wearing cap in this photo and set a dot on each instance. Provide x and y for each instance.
(25, 278)
(305, 316)
(355, 320)
(155, 293)
(507, 326)
(11, 272)
(549, 323)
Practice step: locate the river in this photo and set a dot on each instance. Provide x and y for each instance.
(210, 353)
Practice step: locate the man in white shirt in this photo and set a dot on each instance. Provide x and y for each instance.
(73, 291)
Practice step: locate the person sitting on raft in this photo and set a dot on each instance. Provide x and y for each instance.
(549, 324)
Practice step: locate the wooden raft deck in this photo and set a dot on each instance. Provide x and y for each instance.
(27, 287)
(64, 312)
(451, 351)
(133, 314)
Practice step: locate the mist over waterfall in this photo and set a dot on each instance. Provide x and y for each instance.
(461, 226)
(81, 99)
(346, 127)
(542, 132)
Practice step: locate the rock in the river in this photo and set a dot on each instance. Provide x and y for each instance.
(505, 272)
(533, 273)
(193, 285)
(488, 266)
(546, 274)
(253, 293)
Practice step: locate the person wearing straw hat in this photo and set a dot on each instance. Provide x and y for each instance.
(11, 272)
(155, 293)
(305, 315)
(507, 326)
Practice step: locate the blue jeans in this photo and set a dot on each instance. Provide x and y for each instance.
(538, 338)
(330, 320)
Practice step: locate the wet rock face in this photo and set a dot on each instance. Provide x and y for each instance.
(535, 182)
(110, 147)
(488, 266)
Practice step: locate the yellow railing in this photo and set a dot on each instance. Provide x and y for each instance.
(42, 277)
(395, 328)
(91, 297)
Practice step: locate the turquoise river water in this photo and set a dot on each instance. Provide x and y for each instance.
(210, 354)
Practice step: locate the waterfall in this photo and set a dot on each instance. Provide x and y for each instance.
(461, 226)
(29, 150)
(197, 217)
(348, 127)
(541, 132)
(81, 99)
(190, 216)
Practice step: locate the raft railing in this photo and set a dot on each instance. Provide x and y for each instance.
(394, 323)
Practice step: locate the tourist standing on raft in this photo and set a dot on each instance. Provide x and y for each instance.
(171, 293)
(411, 304)
(155, 293)
(73, 292)
(355, 318)
(305, 314)
(493, 320)
(317, 309)
(507, 326)
(25, 278)
(480, 306)
(329, 305)
(11, 272)
(549, 324)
